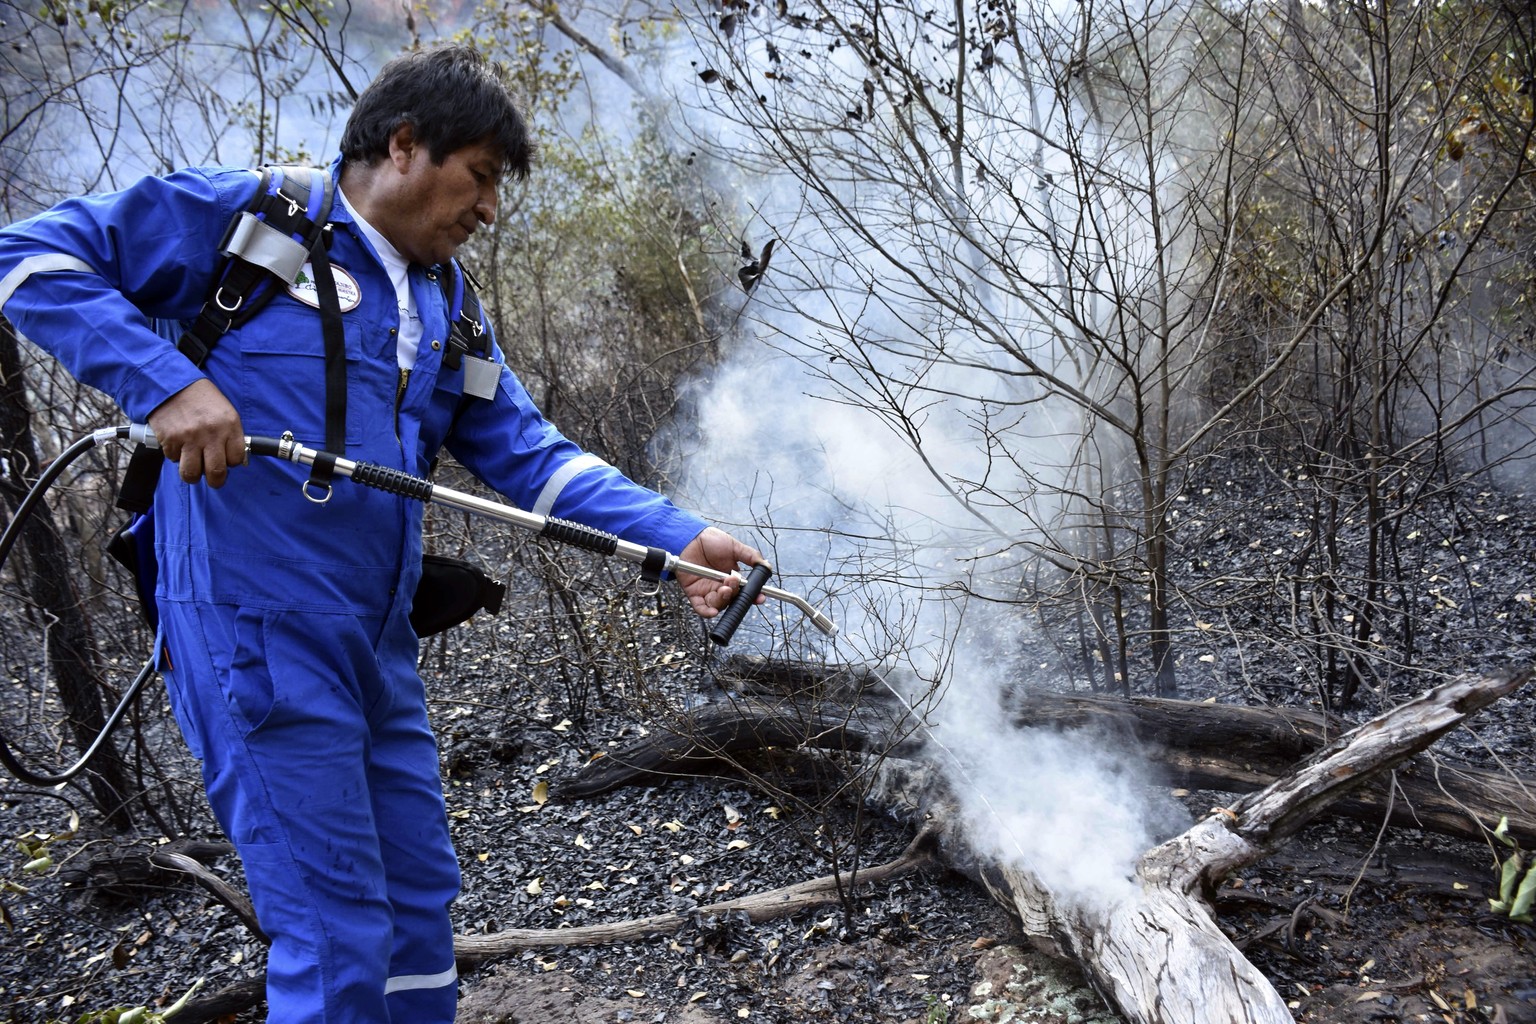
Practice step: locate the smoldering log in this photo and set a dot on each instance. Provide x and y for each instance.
(1155, 951)
(1158, 956)
(1225, 747)
(708, 740)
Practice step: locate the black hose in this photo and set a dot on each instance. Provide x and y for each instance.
(35, 495)
(23, 774)
(7, 541)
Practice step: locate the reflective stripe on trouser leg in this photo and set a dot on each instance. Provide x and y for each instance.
(419, 860)
(311, 751)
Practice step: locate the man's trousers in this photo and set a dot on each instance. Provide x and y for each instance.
(321, 766)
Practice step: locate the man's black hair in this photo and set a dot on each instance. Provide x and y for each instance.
(452, 96)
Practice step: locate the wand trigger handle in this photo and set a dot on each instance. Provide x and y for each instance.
(724, 625)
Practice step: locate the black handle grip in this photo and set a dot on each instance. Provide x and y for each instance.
(723, 626)
(579, 536)
(383, 478)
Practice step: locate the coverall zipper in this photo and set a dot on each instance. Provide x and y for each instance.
(405, 378)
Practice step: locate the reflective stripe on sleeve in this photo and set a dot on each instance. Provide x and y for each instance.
(564, 475)
(39, 265)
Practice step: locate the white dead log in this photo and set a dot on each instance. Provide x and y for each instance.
(1157, 955)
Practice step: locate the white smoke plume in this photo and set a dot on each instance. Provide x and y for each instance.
(855, 424)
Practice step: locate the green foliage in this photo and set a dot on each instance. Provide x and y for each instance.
(82, 14)
(136, 1014)
(543, 77)
(607, 270)
(35, 857)
(1517, 879)
(935, 1010)
(36, 847)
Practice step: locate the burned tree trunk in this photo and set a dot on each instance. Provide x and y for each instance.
(70, 645)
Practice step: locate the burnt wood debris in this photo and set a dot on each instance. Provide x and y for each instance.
(1157, 958)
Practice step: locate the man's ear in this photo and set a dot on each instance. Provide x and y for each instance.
(403, 146)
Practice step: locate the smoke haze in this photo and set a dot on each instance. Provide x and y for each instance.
(855, 426)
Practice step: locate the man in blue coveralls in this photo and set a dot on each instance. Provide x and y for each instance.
(292, 663)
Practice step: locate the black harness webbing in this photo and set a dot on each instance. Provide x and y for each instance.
(335, 367)
(467, 331)
(264, 246)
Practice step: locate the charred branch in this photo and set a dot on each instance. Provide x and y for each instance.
(1154, 950)
(764, 906)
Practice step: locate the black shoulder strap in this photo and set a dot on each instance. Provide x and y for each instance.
(466, 331)
(335, 375)
(269, 242)
(264, 244)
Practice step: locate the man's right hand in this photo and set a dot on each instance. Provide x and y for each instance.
(199, 429)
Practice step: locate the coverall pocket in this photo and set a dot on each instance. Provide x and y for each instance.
(250, 690)
(282, 375)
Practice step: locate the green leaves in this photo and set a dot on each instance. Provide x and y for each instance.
(35, 846)
(1517, 879)
(137, 1014)
(1520, 906)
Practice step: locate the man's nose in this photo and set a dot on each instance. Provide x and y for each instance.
(485, 206)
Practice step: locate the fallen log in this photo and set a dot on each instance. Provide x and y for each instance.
(1225, 747)
(713, 738)
(136, 864)
(1157, 955)
(224, 1004)
(1426, 793)
(1155, 951)
(1241, 749)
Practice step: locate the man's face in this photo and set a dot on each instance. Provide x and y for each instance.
(437, 207)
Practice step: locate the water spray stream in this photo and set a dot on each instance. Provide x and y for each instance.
(938, 373)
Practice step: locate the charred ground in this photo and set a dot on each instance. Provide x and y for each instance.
(1350, 922)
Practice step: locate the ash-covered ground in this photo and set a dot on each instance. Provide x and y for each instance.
(1352, 923)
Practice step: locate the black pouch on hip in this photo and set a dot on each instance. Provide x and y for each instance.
(451, 590)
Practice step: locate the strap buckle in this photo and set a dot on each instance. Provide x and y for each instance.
(294, 205)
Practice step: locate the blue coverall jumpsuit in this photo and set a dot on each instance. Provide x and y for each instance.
(292, 664)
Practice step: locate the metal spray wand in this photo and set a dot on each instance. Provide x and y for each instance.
(654, 562)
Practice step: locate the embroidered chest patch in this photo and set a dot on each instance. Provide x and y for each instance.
(347, 292)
